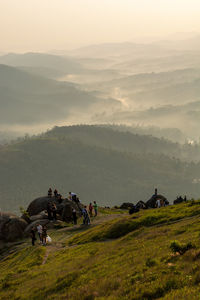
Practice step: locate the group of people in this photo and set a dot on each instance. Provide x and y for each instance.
(160, 203)
(86, 213)
(42, 234)
(51, 211)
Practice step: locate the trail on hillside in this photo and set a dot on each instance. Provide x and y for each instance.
(57, 245)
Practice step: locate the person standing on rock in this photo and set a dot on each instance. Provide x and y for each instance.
(95, 208)
(50, 193)
(74, 216)
(54, 210)
(49, 211)
(44, 235)
(55, 193)
(39, 230)
(33, 238)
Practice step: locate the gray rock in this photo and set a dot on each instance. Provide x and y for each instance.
(34, 224)
(11, 227)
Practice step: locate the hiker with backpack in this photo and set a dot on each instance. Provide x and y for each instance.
(86, 218)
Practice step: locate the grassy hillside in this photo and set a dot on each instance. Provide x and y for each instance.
(94, 166)
(154, 254)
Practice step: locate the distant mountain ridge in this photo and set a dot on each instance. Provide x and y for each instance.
(89, 161)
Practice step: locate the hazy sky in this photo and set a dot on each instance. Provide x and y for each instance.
(42, 25)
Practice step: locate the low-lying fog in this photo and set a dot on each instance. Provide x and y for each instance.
(151, 85)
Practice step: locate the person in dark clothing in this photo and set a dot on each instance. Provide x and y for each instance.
(44, 235)
(50, 193)
(55, 193)
(74, 216)
(33, 238)
(49, 211)
(54, 210)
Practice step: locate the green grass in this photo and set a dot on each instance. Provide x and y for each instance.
(126, 258)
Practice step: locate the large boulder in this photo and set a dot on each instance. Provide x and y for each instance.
(126, 205)
(34, 224)
(11, 227)
(64, 208)
(151, 203)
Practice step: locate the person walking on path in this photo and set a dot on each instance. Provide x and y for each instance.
(39, 230)
(86, 218)
(33, 238)
(74, 216)
(90, 209)
(95, 209)
(44, 235)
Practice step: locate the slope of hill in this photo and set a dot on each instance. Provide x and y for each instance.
(96, 172)
(41, 60)
(151, 255)
(32, 99)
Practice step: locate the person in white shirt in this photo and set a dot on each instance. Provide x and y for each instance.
(39, 230)
(158, 203)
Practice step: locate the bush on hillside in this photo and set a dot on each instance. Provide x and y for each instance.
(177, 247)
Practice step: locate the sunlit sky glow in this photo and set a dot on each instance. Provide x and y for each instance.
(43, 25)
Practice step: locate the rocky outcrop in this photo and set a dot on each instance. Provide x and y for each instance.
(40, 205)
(126, 205)
(11, 227)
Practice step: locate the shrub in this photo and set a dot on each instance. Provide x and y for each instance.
(150, 262)
(176, 246)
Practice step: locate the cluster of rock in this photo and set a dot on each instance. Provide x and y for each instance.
(151, 203)
(13, 227)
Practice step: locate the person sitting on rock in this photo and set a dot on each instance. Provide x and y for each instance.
(90, 209)
(54, 210)
(55, 193)
(32, 234)
(44, 235)
(50, 193)
(59, 197)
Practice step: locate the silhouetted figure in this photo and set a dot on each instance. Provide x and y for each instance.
(74, 216)
(32, 234)
(185, 198)
(44, 235)
(55, 193)
(90, 209)
(50, 193)
(95, 209)
(54, 210)
(39, 230)
(49, 211)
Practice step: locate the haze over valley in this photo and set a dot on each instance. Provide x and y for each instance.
(110, 109)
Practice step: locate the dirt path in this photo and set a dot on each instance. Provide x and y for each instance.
(57, 245)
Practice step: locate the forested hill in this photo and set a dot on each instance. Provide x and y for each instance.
(72, 162)
(114, 138)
